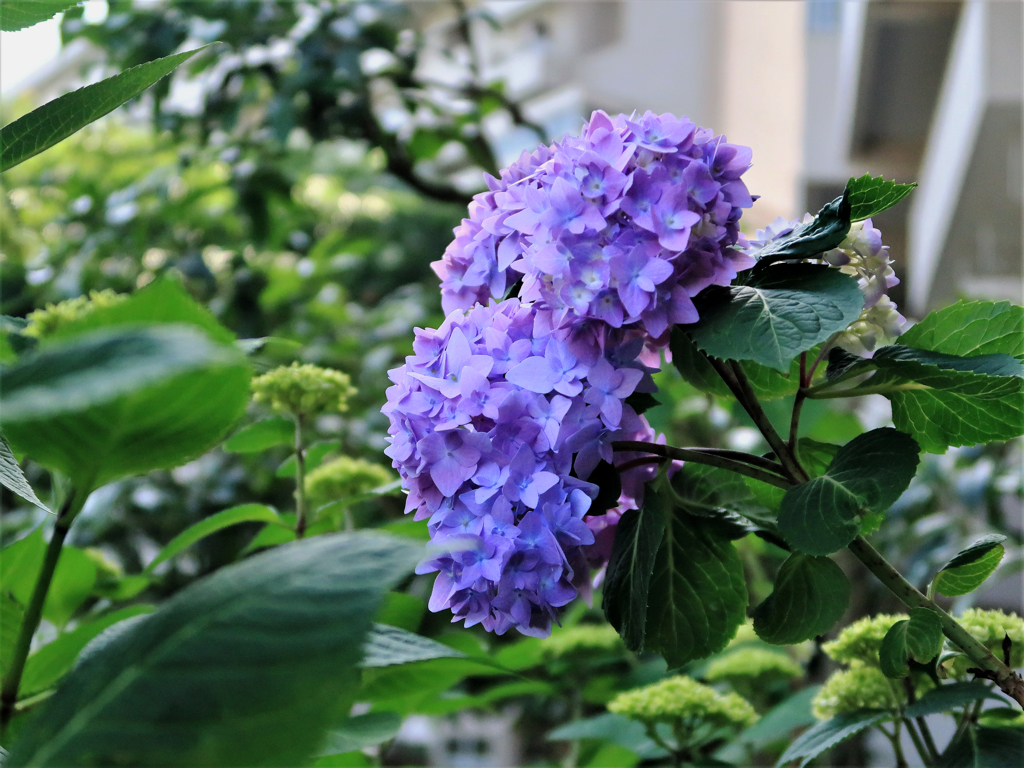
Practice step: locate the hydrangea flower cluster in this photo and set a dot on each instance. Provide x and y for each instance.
(682, 700)
(758, 665)
(990, 627)
(621, 225)
(860, 643)
(859, 687)
(581, 639)
(344, 477)
(502, 413)
(304, 391)
(45, 322)
(861, 255)
(486, 419)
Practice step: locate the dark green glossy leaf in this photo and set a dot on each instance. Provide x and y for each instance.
(119, 402)
(246, 513)
(41, 128)
(386, 646)
(257, 437)
(810, 596)
(362, 731)
(945, 698)
(642, 401)
(13, 478)
(868, 474)
(971, 566)
(19, 14)
(249, 666)
(627, 580)
(609, 486)
(716, 493)
(827, 734)
(918, 638)
(870, 195)
(781, 312)
(823, 233)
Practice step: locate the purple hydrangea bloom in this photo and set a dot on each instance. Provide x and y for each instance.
(621, 225)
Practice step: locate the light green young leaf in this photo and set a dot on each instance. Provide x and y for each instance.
(870, 195)
(971, 566)
(402, 610)
(300, 611)
(52, 661)
(19, 14)
(386, 646)
(810, 596)
(262, 435)
(361, 732)
(20, 564)
(918, 638)
(970, 328)
(780, 312)
(73, 580)
(13, 478)
(41, 128)
(245, 513)
(868, 474)
(119, 402)
(827, 734)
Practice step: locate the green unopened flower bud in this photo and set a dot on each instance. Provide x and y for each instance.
(859, 687)
(44, 322)
(681, 699)
(304, 391)
(990, 628)
(752, 664)
(860, 642)
(581, 638)
(343, 477)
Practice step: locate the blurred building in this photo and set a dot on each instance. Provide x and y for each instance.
(822, 90)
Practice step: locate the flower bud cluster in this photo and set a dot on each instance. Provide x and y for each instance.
(860, 687)
(859, 644)
(681, 699)
(304, 391)
(990, 628)
(44, 322)
(752, 664)
(343, 477)
(581, 639)
(621, 225)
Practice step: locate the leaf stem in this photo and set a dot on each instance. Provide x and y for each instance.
(1008, 681)
(798, 402)
(701, 457)
(34, 612)
(918, 743)
(300, 480)
(823, 392)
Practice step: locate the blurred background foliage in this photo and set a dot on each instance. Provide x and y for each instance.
(299, 183)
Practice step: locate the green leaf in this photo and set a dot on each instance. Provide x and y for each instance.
(13, 478)
(918, 638)
(945, 698)
(362, 731)
(810, 596)
(485, 700)
(827, 734)
(19, 14)
(245, 513)
(73, 580)
(617, 729)
(970, 328)
(120, 402)
(402, 610)
(315, 455)
(256, 661)
(971, 566)
(867, 475)
(823, 233)
(779, 313)
(11, 615)
(627, 579)
(257, 437)
(698, 593)
(984, 747)
(767, 383)
(386, 646)
(404, 687)
(41, 128)
(870, 195)
(779, 722)
(52, 661)
(716, 493)
(20, 564)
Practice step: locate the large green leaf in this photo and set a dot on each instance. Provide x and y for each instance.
(618, 729)
(250, 666)
(404, 687)
(627, 580)
(970, 328)
(779, 313)
(945, 698)
(11, 615)
(971, 566)
(245, 513)
(767, 383)
(264, 434)
(823, 233)
(20, 564)
(870, 195)
(827, 734)
(698, 593)
(13, 478)
(122, 401)
(985, 747)
(52, 661)
(867, 475)
(41, 128)
(918, 638)
(722, 495)
(362, 731)
(73, 580)
(810, 596)
(386, 646)
(19, 14)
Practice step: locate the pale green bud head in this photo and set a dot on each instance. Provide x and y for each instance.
(597, 638)
(45, 322)
(860, 642)
(989, 628)
(682, 699)
(343, 477)
(750, 664)
(860, 687)
(304, 391)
